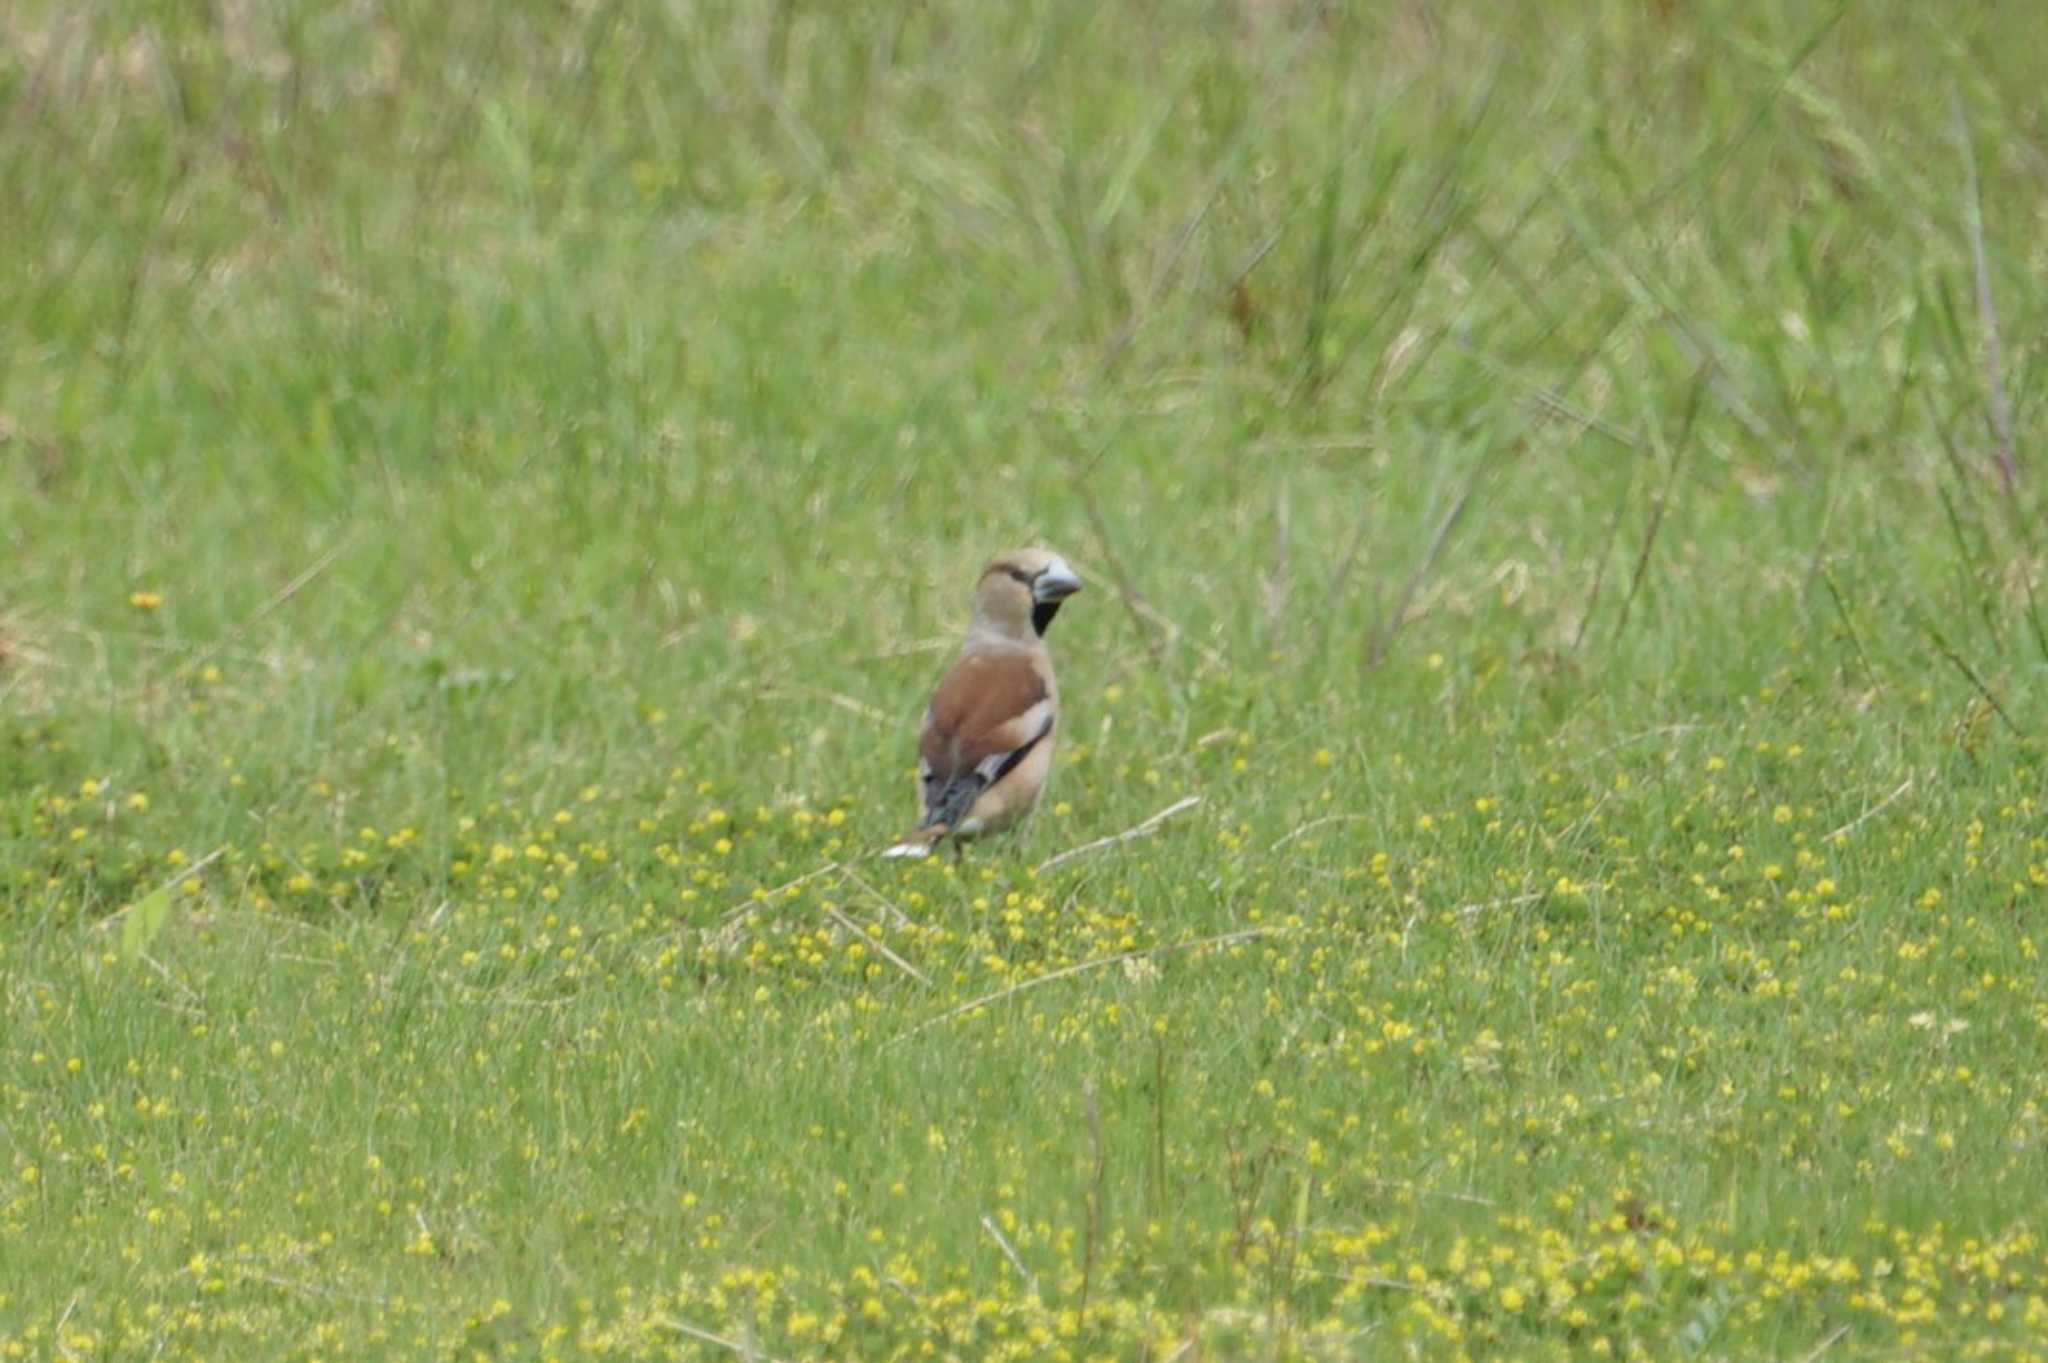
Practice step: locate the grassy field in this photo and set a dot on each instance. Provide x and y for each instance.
(485, 491)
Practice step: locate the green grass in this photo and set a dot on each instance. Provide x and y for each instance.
(486, 489)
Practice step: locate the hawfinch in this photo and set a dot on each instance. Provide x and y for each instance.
(987, 739)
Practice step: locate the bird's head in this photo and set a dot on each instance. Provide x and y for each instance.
(1020, 592)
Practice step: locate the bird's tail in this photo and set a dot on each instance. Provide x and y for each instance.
(918, 842)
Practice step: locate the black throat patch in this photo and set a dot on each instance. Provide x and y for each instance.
(1042, 613)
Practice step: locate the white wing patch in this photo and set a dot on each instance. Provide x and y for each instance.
(1026, 729)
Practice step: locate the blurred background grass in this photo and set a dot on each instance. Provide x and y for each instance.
(638, 354)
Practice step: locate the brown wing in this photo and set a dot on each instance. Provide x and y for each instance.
(988, 712)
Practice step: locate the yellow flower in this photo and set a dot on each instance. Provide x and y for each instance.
(145, 601)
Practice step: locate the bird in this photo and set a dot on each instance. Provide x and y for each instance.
(986, 744)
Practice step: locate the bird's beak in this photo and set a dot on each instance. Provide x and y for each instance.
(1055, 584)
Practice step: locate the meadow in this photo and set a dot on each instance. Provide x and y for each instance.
(484, 494)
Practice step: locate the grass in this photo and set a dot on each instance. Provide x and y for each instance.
(484, 493)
